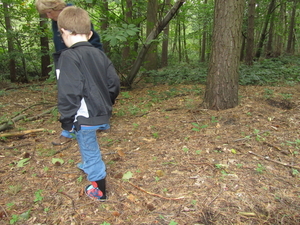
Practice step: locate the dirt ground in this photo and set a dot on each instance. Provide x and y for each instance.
(168, 160)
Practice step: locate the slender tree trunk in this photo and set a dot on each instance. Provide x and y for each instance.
(264, 30)
(153, 35)
(269, 48)
(126, 59)
(165, 44)
(10, 44)
(204, 36)
(223, 73)
(289, 48)
(185, 49)
(179, 41)
(45, 58)
(279, 36)
(250, 33)
(151, 56)
(105, 24)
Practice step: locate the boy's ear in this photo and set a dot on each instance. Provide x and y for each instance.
(90, 35)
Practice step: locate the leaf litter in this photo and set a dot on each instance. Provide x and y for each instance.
(168, 161)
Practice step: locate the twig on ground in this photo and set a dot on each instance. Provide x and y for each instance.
(21, 133)
(271, 160)
(221, 191)
(277, 148)
(153, 194)
(73, 204)
(4, 211)
(62, 149)
(13, 147)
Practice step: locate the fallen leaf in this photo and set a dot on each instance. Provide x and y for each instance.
(121, 153)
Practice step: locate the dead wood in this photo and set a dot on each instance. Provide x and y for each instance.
(6, 124)
(21, 133)
(153, 194)
(274, 161)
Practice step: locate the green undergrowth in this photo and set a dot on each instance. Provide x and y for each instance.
(274, 71)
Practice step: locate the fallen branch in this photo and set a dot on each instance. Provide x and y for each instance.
(13, 147)
(21, 133)
(41, 114)
(7, 124)
(153, 194)
(64, 148)
(271, 160)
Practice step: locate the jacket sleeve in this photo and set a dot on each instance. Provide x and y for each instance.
(70, 88)
(113, 82)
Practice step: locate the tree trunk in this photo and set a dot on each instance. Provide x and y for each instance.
(250, 33)
(289, 48)
(153, 35)
(45, 58)
(269, 47)
(204, 35)
(279, 43)
(223, 73)
(264, 30)
(151, 62)
(165, 44)
(10, 44)
(105, 24)
(126, 59)
(185, 49)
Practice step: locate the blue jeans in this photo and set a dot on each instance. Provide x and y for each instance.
(92, 163)
(68, 134)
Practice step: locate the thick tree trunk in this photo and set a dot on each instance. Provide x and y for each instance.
(153, 35)
(223, 73)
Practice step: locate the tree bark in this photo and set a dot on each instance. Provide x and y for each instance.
(151, 62)
(250, 33)
(165, 44)
(223, 73)
(153, 35)
(289, 48)
(10, 44)
(203, 42)
(264, 30)
(45, 58)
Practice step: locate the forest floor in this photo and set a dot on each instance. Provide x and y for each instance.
(168, 160)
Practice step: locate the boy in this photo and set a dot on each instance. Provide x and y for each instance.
(52, 9)
(87, 88)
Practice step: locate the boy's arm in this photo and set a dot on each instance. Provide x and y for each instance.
(113, 83)
(70, 88)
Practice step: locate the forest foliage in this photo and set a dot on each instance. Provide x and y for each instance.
(122, 25)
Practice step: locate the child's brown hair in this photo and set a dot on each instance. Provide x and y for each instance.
(74, 19)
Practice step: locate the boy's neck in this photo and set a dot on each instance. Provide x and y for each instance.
(77, 38)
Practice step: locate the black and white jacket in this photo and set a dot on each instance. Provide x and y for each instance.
(88, 86)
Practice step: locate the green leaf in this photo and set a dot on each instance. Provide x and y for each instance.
(127, 176)
(55, 160)
(23, 162)
(233, 151)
